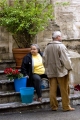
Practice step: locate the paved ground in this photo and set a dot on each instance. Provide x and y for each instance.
(43, 115)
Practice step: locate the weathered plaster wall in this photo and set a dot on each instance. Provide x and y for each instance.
(75, 73)
(6, 44)
(67, 20)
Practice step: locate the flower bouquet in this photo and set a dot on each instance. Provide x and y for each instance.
(13, 73)
(19, 80)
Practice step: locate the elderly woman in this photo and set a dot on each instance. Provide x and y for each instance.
(32, 66)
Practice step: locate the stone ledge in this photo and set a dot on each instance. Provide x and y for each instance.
(72, 39)
(7, 61)
(2, 71)
(10, 93)
(12, 96)
(18, 106)
(6, 81)
(7, 85)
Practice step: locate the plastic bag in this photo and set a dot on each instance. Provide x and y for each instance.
(44, 83)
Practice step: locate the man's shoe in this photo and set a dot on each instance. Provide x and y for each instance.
(70, 109)
(55, 109)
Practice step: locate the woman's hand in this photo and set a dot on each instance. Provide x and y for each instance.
(27, 76)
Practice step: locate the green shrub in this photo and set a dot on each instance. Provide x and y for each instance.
(25, 18)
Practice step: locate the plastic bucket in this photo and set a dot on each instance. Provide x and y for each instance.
(18, 83)
(27, 94)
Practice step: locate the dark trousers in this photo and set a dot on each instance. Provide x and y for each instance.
(37, 83)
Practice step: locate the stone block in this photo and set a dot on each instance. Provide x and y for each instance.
(75, 73)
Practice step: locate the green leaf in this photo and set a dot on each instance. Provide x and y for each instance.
(26, 17)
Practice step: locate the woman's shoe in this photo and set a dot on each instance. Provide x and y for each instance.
(40, 99)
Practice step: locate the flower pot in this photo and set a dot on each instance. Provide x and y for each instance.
(18, 83)
(18, 54)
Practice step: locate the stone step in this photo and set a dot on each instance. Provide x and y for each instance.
(12, 96)
(2, 75)
(7, 64)
(35, 105)
(6, 85)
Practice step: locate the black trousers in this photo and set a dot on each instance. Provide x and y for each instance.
(37, 83)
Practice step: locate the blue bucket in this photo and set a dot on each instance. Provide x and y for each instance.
(27, 94)
(18, 83)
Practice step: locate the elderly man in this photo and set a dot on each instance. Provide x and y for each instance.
(58, 64)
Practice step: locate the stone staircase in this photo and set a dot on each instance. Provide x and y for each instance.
(10, 101)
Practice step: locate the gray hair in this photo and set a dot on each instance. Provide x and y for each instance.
(56, 34)
(36, 46)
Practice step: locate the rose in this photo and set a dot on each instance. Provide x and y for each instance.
(12, 73)
(8, 70)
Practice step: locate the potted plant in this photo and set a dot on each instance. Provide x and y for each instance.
(25, 18)
(19, 80)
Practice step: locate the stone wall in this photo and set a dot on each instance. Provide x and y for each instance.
(6, 44)
(73, 44)
(75, 73)
(67, 20)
